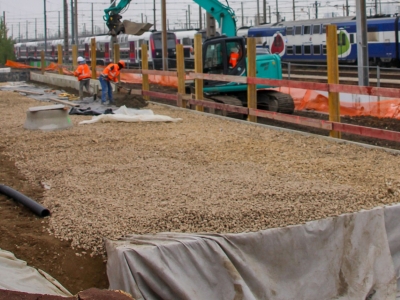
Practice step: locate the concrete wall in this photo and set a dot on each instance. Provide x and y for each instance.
(14, 76)
(62, 80)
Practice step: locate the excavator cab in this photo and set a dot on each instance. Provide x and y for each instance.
(225, 56)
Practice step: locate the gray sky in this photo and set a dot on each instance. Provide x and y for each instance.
(21, 15)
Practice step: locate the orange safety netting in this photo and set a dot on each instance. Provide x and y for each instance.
(304, 99)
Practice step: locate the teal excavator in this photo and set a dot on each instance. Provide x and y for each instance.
(217, 59)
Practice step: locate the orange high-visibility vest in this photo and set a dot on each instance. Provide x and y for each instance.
(83, 72)
(233, 60)
(111, 72)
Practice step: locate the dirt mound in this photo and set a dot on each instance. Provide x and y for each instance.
(132, 101)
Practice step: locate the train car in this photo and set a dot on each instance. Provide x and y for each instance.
(130, 49)
(305, 40)
(243, 31)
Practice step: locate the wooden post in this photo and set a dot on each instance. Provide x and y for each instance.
(116, 57)
(42, 61)
(180, 64)
(145, 66)
(333, 76)
(93, 57)
(75, 56)
(198, 68)
(60, 59)
(251, 72)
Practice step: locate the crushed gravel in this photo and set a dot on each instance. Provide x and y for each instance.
(202, 174)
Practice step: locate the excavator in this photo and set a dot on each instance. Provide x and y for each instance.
(216, 59)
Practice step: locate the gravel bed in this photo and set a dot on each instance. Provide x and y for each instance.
(202, 174)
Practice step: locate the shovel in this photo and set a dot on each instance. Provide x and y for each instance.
(126, 89)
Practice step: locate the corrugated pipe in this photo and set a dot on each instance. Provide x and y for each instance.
(38, 209)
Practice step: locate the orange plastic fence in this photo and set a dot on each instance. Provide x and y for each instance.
(309, 100)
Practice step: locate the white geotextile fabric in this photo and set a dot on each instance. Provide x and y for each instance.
(124, 114)
(352, 256)
(15, 275)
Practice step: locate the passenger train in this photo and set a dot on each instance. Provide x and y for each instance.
(305, 40)
(130, 49)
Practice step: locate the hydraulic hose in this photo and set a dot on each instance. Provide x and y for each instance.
(38, 209)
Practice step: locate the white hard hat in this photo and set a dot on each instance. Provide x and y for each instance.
(81, 59)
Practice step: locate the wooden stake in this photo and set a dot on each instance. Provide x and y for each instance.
(116, 57)
(251, 72)
(333, 76)
(180, 64)
(145, 66)
(75, 56)
(93, 57)
(42, 61)
(60, 59)
(198, 68)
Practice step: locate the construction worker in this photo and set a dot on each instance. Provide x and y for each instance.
(110, 73)
(234, 57)
(84, 74)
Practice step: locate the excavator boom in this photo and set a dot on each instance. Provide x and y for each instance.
(223, 14)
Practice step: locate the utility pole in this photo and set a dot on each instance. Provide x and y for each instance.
(35, 29)
(258, 12)
(72, 23)
(316, 4)
(362, 44)
(164, 34)
(186, 25)
(45, 29)
(19, 31)
(264, 11)
(201, 21)
(294, 10)
(4, 24)
(142, 17)
(189, 15)
(269, 14)
(242, 14)
(66, 37)
(76, 22)
(154, 15)
(92, 21)
(59, 25)
(26, 29)
(277, 12)
(347, 8)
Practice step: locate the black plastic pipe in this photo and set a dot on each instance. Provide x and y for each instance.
(38, 209)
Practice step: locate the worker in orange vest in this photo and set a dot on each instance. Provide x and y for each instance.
(84, 74)
(234, 57)
(110, 73)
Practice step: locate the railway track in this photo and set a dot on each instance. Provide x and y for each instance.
(383, 77)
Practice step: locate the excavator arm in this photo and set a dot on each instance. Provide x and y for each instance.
(112, 17)
(223, 14)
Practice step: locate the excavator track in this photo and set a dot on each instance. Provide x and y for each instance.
(229, 100)
(275, 101)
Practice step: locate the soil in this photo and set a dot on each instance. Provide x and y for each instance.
(24, 234)
(29, 239)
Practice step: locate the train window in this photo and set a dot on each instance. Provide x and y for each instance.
(289, 50)
(323, 29)
(307, 29)
(297, 50)
(341, 39)
(317, 49)
(297, 30)
(187, 41)
(316, 29)
(289, 30)
(324, 49)
(352, 38)
(307, 49)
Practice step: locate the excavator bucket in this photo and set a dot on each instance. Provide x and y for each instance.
(136, 28)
